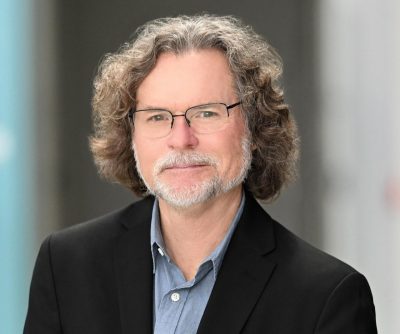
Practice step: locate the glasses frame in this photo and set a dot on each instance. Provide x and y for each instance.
(228, 107)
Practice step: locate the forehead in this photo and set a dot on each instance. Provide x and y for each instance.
(191, 78)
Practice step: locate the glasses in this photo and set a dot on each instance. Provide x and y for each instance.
(157, 123)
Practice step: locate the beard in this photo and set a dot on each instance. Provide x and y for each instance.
(185, 196)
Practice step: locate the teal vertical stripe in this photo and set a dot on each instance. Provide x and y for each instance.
(16, 161)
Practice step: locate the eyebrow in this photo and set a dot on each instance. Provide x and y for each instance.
(153, 107)
(149, 106)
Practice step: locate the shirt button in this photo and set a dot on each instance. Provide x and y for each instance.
(175, 297)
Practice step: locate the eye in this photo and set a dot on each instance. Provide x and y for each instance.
(155, 117)
(206, 114)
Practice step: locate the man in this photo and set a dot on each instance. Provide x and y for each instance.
(190, 116)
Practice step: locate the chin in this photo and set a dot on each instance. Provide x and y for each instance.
(184, 196)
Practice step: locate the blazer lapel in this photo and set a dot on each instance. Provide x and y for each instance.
(244, 273)
(134, 271)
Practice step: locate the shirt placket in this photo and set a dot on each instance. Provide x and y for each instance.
(170, 310)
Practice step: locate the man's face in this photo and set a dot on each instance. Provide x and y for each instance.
(185, 168)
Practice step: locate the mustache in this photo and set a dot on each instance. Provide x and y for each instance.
(183, 158)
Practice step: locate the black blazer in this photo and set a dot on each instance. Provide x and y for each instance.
(97, 278)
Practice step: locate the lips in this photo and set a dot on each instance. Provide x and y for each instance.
(184, 161)
(185, 166)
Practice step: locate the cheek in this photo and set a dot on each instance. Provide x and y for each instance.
(235, 155)
(228, 149)
(234, 152)
(146, 154)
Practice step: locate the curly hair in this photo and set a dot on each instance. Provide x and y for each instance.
(256, 68)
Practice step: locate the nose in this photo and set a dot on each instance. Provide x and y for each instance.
(181, 136)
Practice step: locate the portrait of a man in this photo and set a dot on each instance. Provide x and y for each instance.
(190, 116)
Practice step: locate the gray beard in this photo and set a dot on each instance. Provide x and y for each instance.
(196, 193)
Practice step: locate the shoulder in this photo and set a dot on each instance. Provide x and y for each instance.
(335, 294)
(102, 231)
(327, 284)
(299, 266)
(303, 257)
(283, 247)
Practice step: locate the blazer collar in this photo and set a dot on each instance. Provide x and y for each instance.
(244, 273)
(133, 269)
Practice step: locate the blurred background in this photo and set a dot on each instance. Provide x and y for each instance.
(341, 78)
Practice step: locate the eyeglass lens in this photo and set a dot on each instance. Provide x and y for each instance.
(156, 123)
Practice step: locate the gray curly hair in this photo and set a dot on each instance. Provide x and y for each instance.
(256, 68)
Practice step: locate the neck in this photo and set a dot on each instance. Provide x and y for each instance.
(191, 234)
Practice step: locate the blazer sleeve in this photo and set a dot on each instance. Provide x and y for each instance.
(43, 314)
(349, 308)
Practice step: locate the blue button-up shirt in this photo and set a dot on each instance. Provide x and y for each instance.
(179, 304)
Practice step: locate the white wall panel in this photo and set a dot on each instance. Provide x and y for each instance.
(360, 143)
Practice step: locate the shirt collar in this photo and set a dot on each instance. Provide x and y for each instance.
(156, 238)
(216, 257)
